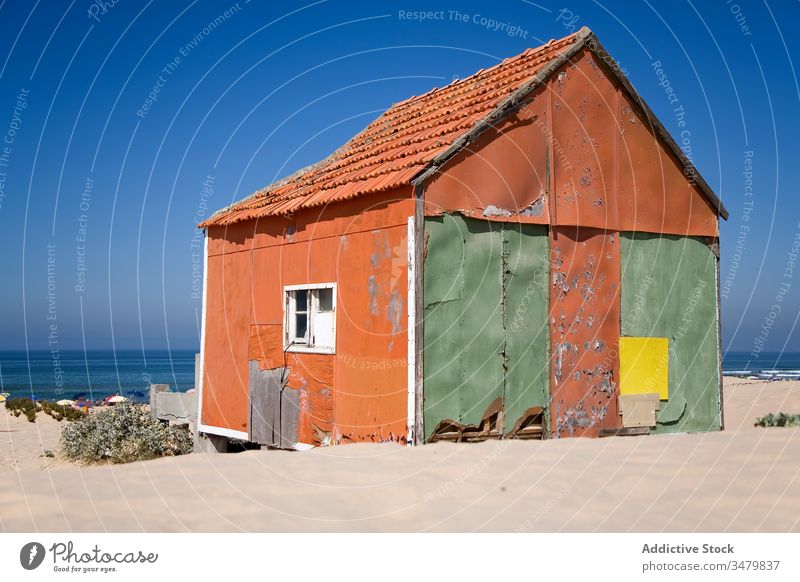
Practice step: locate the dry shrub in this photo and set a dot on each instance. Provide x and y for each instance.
(780, 419)
(122, 434)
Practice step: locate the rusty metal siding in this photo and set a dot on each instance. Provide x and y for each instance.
(584, 330)
(610, 170)
(358, 393)
(584, 144)
(669, 290)
(309, 407)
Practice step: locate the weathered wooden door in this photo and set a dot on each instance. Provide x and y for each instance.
(274, 408)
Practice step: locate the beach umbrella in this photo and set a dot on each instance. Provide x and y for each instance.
(116, 399)
(3, 397)
(65, 402)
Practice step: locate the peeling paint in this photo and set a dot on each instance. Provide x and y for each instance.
(395, 314)
(372, 289)
(585, 336)
(493, 210)
(535, 208)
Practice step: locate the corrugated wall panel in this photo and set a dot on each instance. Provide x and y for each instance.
(358, 393)
(502, 175)
(669, 290)
(654, 193)
(584, 330)
(227, 342)
(463, 324)
(527, 382)
(486, 336)
(610, 170)
(371, 396)
(584, 145)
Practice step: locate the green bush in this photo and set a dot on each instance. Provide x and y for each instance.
(18, 406)
(29, 408)
(780, 419)
(60, 411)
(122, 434)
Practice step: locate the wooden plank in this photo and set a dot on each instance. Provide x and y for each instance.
(265, 405)
(289, 417)
(716, 250)
(629, 431)
(411, 327)
(419, 307)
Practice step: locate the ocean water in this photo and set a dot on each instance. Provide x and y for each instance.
(768, 365)
(97, 374)
(94, 374)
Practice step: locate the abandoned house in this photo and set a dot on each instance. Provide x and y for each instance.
(524, 253)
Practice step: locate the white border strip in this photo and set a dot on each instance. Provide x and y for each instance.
(411, 302)
(203, 332)
(226, 432)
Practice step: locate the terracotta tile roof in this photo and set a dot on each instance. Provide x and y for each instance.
(399, 144)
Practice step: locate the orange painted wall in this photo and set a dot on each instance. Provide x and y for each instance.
(584, 330)
(359, 393)
(606, 167)
(505, 168)
(614, 173)
(225, 381)
(655, 195)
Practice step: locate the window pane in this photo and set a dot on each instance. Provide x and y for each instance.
(301, 326)
(301, 300)
(323, 329)
(325, 299)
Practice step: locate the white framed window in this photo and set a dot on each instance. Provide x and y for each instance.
(309, 323)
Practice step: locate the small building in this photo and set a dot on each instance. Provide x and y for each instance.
(524, 253)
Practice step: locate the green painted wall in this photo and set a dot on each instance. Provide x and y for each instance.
(527, 380)
(669, 290)
(485, 326)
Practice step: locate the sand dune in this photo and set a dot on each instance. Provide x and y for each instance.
(742, 479)
(23, 443)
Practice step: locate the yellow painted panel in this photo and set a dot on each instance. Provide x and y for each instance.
(644, 365)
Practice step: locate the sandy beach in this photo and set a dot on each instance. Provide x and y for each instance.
(742, 479)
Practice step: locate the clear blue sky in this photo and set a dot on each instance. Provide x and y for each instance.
(273, 86)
